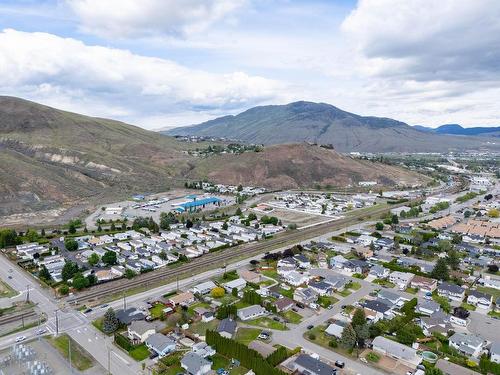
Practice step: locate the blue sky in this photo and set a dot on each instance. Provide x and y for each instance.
(161, 63)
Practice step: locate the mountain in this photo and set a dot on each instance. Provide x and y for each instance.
(456, 129)
(54, 164)
(299, 165)
(325, 124)
(50, 158)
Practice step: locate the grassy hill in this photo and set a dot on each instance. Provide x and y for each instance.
(325, 124)
(299, 165)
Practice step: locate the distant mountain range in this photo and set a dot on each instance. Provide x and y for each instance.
(325, 124)
(456, 129)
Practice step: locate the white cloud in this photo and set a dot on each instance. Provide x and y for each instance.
(52, 69)
(132, 18)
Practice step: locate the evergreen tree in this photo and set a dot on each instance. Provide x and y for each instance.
(348, 338)
(69, 270)
(44, 274)
(359, 318)
(440, 270)
(109, 258)
(94, 259)
(110, 322)
(453, 259)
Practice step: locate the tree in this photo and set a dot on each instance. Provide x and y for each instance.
(31, 235)
(238, 212)
(94, 259)
(110, 322)
(44, 273)
(109, 258)
(8, 237)
(63, 290)
(359, 318)
(80, 281)
(440, 270)
(234, 292)
(494, 213)
(99, 228)
(217, 292)
(379, 226)
(189, 224)
(444, 245)
(72, 228)
(69, 270)
(225, 226)
(395, 219)
(406, 334)
(348, 338)
(70, 244)
(453, 259)
(91, 279)
(129, 274)
(433, 371)
(492, 268)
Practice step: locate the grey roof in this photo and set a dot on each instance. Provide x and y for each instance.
(159, 342)
(377, 305)
(251, 310)
(495, 348)
(301, 258)
(192, 362)
(395, 348)
(336, 280)
(129, 315)
(141, 327)
(314, 366)
(428, 305)
(227, 325)
(467, 339)
(307, 292)
(450, 288)
(389, 296)
(321, 285)
(449, 368)
(478, 294)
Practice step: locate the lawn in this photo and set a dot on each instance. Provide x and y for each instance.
(267, 282)
(6, 291)
(354, 285)
(286, 293)
(292, 317)
(201, 327)
(345, 292)
(241, 304)
(139, 353)
(219, 361)
(79, 357)
(270, 273)
(157, 310)
(468, 306)
(247, 335)
(411, 290)
(267, 323)
(383, 282)
(494, 313)
(98, 323)
(325, 301)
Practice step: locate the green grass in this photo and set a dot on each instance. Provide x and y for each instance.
(286, 293)
(373, 357)
(292, 317)
(79, 357)
(468, 306)
(354, 285)
(241, 304)
(271, 274)
(411, 290)
(157, 311)
(201, 327)
(247, 335)
(219, 361)
(383, 282)
(325, 301)
(345, 292)
(267, 282)
(267, 323)
(494, 313)
(139, 353)
(6, 291)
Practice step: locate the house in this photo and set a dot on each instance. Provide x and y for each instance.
(391, 298)
(305, 295)
(408, 356)
(322, 288)
(401, 279)
(336, 328)
(427, 307)
(337, 282)
(363, 252)
(239, 284)
(384, 243)
(251, 312)
(468, 344)
(129, 315)
(283, 304)
(249, 276)
(424, 284)
(295, 278)
(451, 291)
(203, 349)
(377, 310)
(302, 261)
(449, 368)
(305, 364)
(286, 262)
(204, 288)
(160, 344)
(194, 364)
(227, 327)
(480, 300)
(139, 330)
(338, 261)
(183, 299)
(438, 322)
(379, 272)
(495, 352)
(491, 283)
(460, 316)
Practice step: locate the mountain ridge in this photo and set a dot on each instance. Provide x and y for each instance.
(326, 124)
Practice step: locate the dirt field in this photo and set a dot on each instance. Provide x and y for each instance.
(290, 216)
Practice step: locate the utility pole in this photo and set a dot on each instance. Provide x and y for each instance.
(177, 278)
(22, 318)
(69, 354)
(109, 360)
(57, 324)
(124, 302)
(28, 293)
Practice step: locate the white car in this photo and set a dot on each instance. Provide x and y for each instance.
(20, 338)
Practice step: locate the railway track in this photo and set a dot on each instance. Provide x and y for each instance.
(16, 317)
(222, 257)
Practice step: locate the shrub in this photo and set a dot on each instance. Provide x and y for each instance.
(373, 357)
(312, 336)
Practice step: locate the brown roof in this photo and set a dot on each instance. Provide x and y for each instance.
(443, 222)
(181, 298)
(421, 280)
(284, 302)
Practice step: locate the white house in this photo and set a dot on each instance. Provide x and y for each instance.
(451, 291)
(468, 344)
(251, 312)
(401, 279)
(239, 284)
(480, 300)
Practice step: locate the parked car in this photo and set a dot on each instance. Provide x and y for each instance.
(87, 311)
(310, 326)
(40, 331)
(20, 338)
(339, 364)
(300, 305)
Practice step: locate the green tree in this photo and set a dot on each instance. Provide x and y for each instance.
(44, 273)
(110, 322)
(91, 279)
(238, 212)
(31, 235)
(8, 237)
(94, 259)
(379, 226)
(359, 318)
(129, 274)
(63, 290)
(348, 338)
(395, 219)
(70, 244)
(80, 281)
(453, 259)
(433, 371)
(225, 226)
(109, 258)
(69, 270)
(72, 228)
(440, 270)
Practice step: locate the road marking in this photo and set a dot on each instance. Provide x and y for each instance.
(121, 358)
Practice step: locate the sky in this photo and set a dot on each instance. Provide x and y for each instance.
(165, 63)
